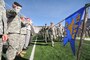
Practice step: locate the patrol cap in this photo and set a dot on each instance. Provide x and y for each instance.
(17, 4)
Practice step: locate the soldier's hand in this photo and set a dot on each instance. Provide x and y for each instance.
(4, 38)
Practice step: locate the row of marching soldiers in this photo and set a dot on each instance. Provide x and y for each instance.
(14, 29)
(52, 33)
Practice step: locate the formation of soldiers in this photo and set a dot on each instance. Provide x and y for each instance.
(52, 32)
(15, 30)
(87, 32)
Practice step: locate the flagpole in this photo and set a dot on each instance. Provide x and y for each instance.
(83, 31)
(59, 22)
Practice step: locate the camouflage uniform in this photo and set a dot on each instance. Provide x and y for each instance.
(22, 39)
(14, 34)
(46, 33)
(22, 36)
(3, 23)
(32, 33)
(52, 34)
(27, 37)
(14, 27)
(60, 31)
(55, 32)
(42, 32)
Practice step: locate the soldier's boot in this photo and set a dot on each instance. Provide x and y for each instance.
(46, 40)
(60, 39)
(23, 52)
(52, 43)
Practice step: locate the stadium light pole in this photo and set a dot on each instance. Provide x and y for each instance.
(83, 31)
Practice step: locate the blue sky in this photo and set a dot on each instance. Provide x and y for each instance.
(46, 11)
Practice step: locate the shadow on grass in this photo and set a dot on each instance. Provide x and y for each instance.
(42, 44)
(39, 41)
(17, 58)
(20, 58)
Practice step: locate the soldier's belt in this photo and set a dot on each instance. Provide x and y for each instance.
(13, 33)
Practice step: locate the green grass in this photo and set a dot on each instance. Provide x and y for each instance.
(85, 54)
(58, 52)
(45, 51)
(28, 52)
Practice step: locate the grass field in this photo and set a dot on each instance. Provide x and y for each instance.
(58, 52)
(29, 50)
(45, 51)
(85, 54)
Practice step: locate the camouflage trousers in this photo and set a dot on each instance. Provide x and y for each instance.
(1, 44)
(59, 37)
(27, 39)
(52, 39)
(13, 46)
(31, 37)
(46, 36)
(21, 42)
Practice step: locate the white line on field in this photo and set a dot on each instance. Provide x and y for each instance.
(33, 51)
(84, 38)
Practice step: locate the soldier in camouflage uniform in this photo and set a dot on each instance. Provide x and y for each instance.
(60, 31)
(32, 33)
(22, 35)
(28, 33)
(42, 32)
(46, 33)
(89, 31)
(14, 27)
(52, 33)
(3, 24)
(55, 32)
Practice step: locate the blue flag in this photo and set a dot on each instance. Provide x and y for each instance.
(72, 24)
